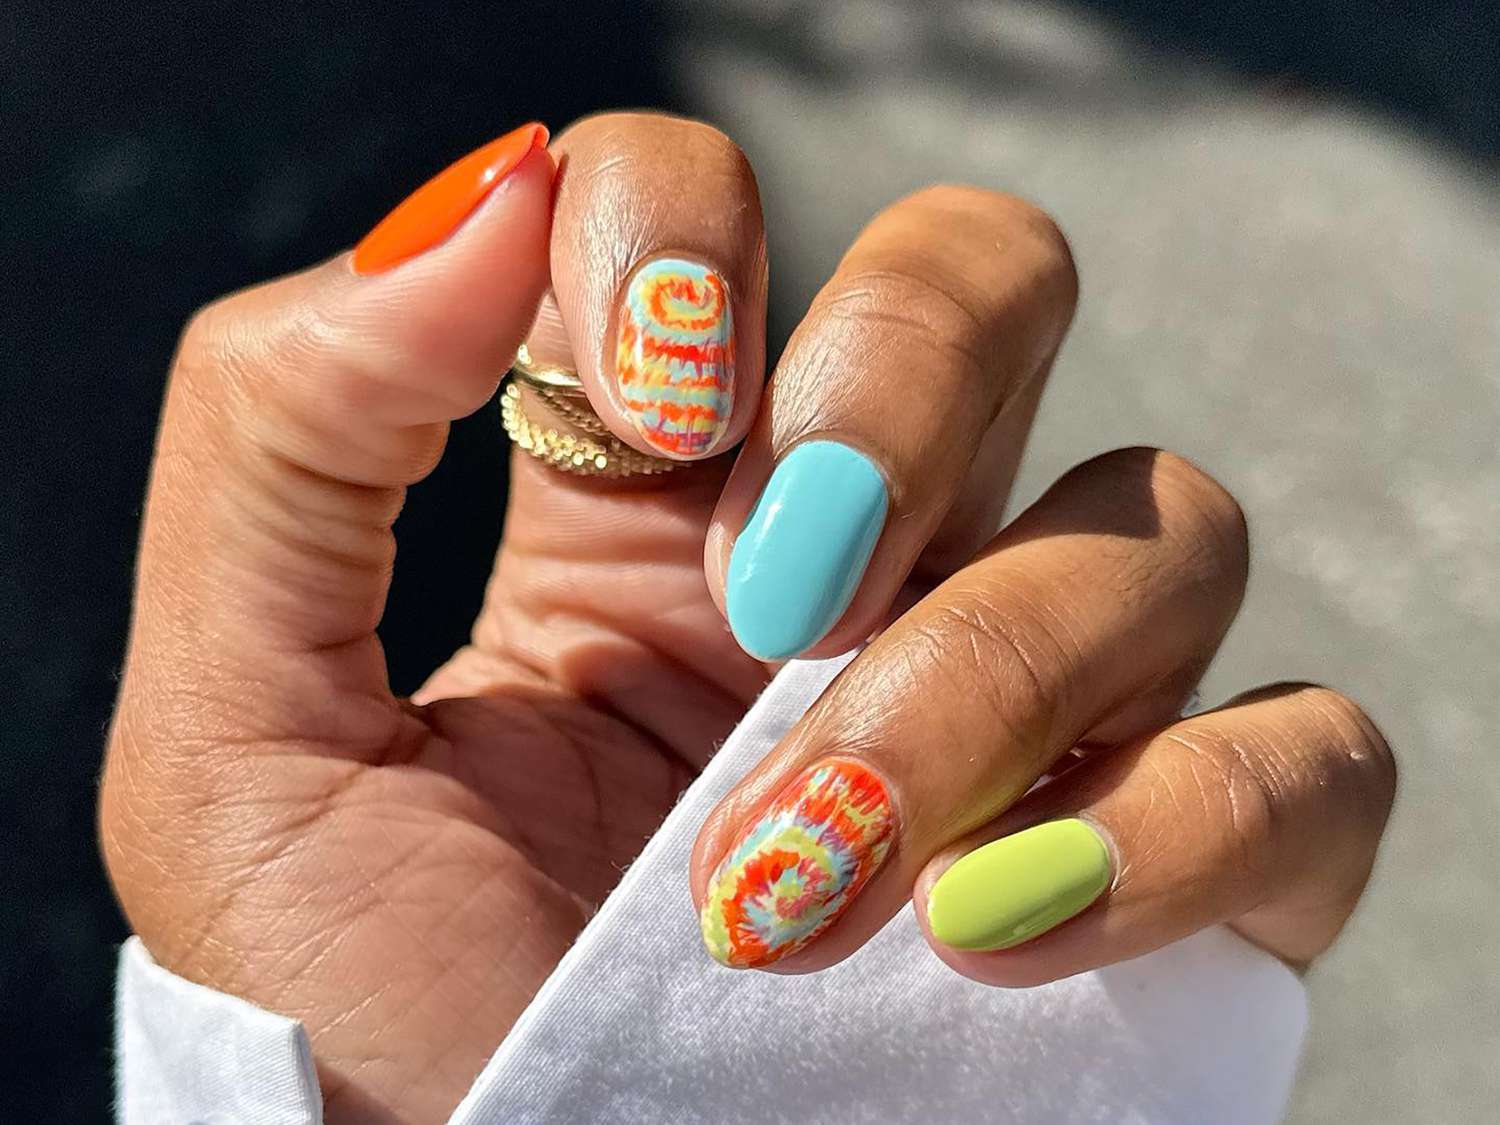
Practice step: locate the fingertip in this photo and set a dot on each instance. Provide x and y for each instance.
(658, 261)
(433, 304)
(438, 208)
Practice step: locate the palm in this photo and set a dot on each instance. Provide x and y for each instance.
(459, 862)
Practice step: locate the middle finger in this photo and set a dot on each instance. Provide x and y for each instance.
(915, 371)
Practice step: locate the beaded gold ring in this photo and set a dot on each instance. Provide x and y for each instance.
(583, 444)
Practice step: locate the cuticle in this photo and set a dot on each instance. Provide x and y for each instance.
(836, 437)
(1110, 848)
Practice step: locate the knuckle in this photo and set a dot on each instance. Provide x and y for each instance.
(278, 374)
(925, 309)
(1261, 783)
(1046, 240)
(212, 342)
(247, 344)
(1014, 667)
(1233, 787)
(969, 287)
(1003, 227)
(225, 367)
(631, 131)
(200, 332)
(1354, 751)
(997, 208)
(1214, 505)
(1196, 509)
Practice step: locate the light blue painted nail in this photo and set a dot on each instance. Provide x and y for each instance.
(796, 565)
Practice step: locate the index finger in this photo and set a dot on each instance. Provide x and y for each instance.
(659, 281)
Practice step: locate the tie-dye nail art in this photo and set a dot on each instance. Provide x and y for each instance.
(675, 355)
(797, 868)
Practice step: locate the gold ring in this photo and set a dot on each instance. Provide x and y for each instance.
(592, 450)
(558, 380)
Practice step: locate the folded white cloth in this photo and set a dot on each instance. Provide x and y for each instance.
(188, 1054)
(637, 1024)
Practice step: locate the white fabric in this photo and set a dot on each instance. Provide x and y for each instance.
(638, 1025)
(185, 1053)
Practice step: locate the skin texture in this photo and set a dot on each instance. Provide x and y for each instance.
(401, 875)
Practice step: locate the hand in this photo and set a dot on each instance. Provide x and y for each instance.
(402, 875)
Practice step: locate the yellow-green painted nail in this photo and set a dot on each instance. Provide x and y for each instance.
(1017, 887)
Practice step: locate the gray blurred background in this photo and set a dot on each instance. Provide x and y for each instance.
(1302, 295)
(1285, 219)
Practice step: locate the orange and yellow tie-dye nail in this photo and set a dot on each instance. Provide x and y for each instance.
(797, 868)
(674, 355)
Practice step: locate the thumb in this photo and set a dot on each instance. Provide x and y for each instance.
(297, 413)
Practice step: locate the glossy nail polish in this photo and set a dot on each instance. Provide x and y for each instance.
(797, 563)
(797, 868)
(674, 355)
(1019, 886)
(436, 209)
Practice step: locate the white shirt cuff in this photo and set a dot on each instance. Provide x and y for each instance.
(185, 1053)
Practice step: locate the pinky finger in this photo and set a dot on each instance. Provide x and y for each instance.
(1265, 814)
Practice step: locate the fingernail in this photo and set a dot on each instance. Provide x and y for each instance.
(436, 209)
(674, 355)
(797, 868)
(1017, 887)
(797, 563)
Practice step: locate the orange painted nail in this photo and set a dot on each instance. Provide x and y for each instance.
(437, 208)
